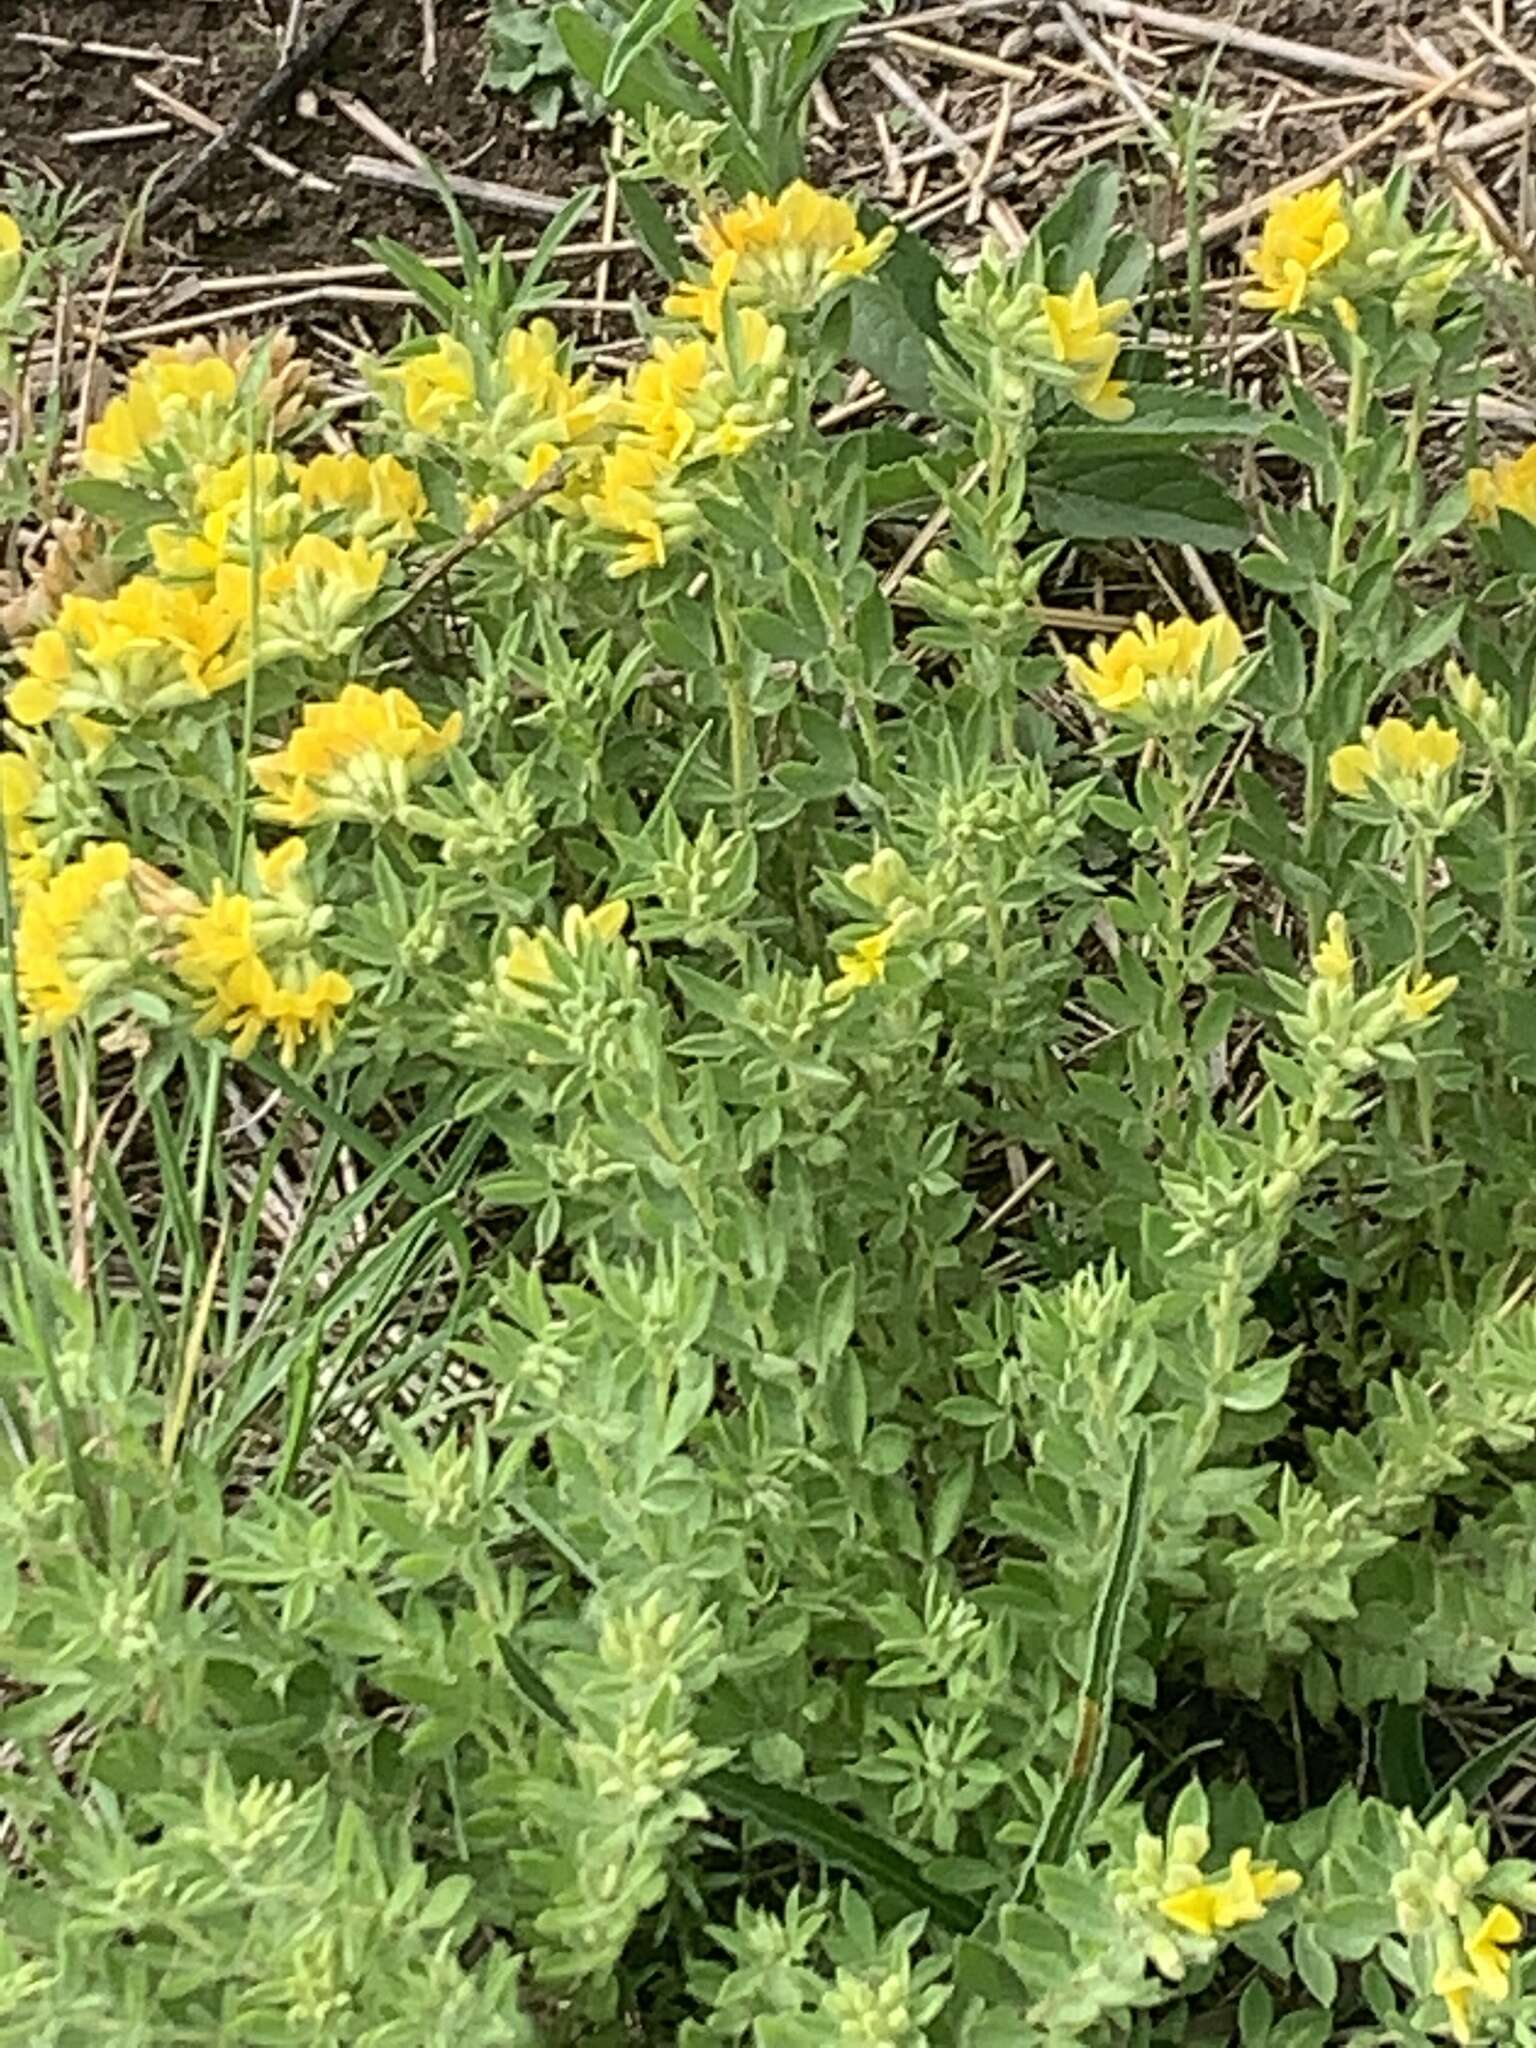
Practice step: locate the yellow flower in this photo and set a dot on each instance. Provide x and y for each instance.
(226, 496)
(1333, 960)
(686, 401)
(148, 647)
(1483, 1972)
(527, 965)
(354, 758)
(634, 498)
(10, 251)
(385, 498)
(46, 663)
(308, 596)
(1155, 655)
(1302, 236)
(1214, 1906)
(1509, 486)
(863, 966)
(251, 1000)
(437, 386)
(1082, 337)
(1420, 999)
(27, 862)
(169, 398)
(223, 956)
(787, 253)
(1394, 753)
(1485, 1952)
(74, 937)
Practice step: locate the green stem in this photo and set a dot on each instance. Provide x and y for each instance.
(1178, 876)
(1324, 649)
(1424, 1083)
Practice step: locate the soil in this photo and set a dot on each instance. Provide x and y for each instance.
(247, 219)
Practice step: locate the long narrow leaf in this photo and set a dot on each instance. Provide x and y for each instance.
(836, 1840)
(1079, 1783)
(1479, 1773)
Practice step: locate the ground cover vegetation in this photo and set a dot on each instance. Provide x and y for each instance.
(766, 1282)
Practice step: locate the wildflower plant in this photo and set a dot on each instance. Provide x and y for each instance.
(765, 1284)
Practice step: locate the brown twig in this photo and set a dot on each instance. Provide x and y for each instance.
(285, 80)
(194, 117)
(501, 198)
(452, 555)
(126, 53)
(1309, 56)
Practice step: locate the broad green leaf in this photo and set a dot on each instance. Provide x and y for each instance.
(648, 81)
(1160, 496)
(896, 317)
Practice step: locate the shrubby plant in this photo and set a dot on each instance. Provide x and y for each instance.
(908, 1370)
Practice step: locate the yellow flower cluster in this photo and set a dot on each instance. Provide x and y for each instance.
(1477, 1969)
(1396, 756)
(21, 784)
(1212, 1906)
(688, 402)
(785, 254)
(1303, 236)
(76, 936)
(180, 407)
(147, 648)
(10, 250)
(1509, 486)
(227, 952)
(1154, 662)
(1330, 246)
(1081, 330)
(355, 758)
(520, 419)
(527, 968)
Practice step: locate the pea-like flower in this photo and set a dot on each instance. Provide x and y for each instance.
(1419, 996)
(21, 785)
(78, 935)
(436, 384)
(382, 498)
(1402, 759)
(785, 254)
(355, 758)
(526, 970)
(248, 956)
(10, 250)
(1304, 235)
(149, 647)
(174, 404)
(1081, 330)
(1479, 1971)
(1155, 670)
(1334, 961)
(1215, 1905)
(1509, 485)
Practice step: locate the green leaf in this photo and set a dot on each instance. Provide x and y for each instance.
(1400, 1764)
(1165, 413)
(648, 80)
(653, 231)
(896, 317)
(843, 1844)
(1479, 1773)
(1159, 496)
(1074, 234)
(118, 503)
(1078, 1786)
(647, 25)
